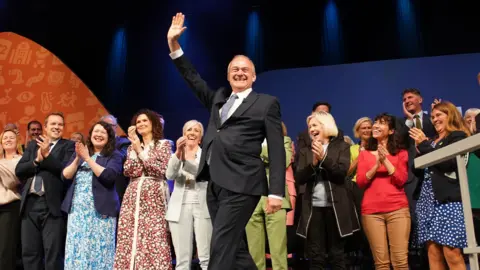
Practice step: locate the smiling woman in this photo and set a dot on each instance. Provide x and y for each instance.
(92, 201)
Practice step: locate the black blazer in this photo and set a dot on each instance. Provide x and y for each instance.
(236, 144)
(50, 169)
(333, 169)
(445, 189)
(105, 197)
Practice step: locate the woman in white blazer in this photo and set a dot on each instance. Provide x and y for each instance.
(187, 209)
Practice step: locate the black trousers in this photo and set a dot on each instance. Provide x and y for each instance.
(229, 212)
(43, 236)
(324, 239)
(9, 234)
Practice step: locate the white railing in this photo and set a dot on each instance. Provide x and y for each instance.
(456, 150)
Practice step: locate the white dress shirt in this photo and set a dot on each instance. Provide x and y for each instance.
(241, 96)
(410, 122)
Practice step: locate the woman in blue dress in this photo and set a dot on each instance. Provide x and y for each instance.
(91, 201)
(440, 219)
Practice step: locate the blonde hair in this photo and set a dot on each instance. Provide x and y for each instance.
(329, 127)
(17, 137)
(474, 111)
(190, 124)
(357, 125)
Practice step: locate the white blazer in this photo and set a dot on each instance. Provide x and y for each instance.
(176, 173)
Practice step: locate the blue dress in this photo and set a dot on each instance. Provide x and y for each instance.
(90, 241)
(441, 223)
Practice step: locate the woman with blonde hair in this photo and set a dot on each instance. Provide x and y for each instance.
(469, 118)
(10, 154)
(187, 213)
(440, 220)
(328, 214)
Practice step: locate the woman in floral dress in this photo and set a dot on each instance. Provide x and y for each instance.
(142, 239)
(92, 201)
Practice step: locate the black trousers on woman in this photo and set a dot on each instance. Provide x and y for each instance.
(324, 244)
(9, 234)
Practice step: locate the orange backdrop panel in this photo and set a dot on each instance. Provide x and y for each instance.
(34, 82)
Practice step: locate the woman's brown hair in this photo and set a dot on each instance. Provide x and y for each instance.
(109, 146)
(455, 121)
(157, 127)
(394, 142)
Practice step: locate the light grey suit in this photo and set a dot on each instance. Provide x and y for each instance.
(185, 218)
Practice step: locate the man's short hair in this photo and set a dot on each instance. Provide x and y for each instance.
(54, 113)
(111, 117)
(320, 103)
(32, 123)
(414, 91)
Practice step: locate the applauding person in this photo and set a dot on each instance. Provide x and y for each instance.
(382, 172)
(91, 201)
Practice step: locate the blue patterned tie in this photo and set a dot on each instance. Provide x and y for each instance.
(226, 108)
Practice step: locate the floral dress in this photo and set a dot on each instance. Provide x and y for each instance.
(142, 239)
(90, 236)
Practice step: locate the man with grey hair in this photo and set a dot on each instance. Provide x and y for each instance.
(121, 144)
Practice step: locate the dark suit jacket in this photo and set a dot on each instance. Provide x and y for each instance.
(305, 142)
(122, 144)
(333, 170)
(105, 196)
(445, 189)
(236, 145)
(50, 169)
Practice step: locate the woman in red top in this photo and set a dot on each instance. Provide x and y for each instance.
(382, 172)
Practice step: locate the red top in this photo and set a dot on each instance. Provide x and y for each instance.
(384, 193)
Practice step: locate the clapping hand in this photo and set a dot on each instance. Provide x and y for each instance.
(417, 135)
(133, 137)
(318, 152)
(82, 151)
(382, 153)
(180, 151)
(43, 143)
(177, 28)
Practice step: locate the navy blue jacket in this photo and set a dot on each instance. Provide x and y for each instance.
(105, 196)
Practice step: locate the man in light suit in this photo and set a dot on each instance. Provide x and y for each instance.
(240, 120)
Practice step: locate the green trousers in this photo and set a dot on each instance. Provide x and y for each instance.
(276, 228)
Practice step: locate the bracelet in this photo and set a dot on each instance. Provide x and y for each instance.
(392, 172)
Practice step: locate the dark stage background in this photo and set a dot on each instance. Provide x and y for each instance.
(118, 48)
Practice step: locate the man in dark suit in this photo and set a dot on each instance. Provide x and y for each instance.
(121, 144)
(414, 117)
(239, 122)
(43, 224)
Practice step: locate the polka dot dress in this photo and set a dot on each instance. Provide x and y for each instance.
(441, 223)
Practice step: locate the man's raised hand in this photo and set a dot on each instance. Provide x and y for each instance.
(177, 28)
